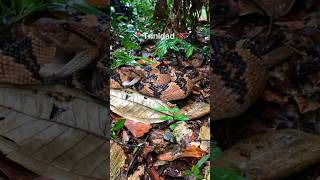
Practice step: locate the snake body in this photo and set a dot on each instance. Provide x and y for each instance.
(58, 50)
(238, 76)
(157, 82)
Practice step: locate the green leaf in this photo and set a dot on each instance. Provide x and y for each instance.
(173, 126)
(195, 170)
(188, 172)
(175, 48)
(126, 42)
(146, 60)
(87, 9)
(119, 124)
(114, 136)
(226, 174)
(161, 109)
(216, 152)
(180, 117)
(174, 110)
(120, 18)
(203, 160)
(166, 118)
(189, 51)
(121, 58)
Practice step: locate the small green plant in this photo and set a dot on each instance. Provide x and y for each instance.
(128, 44)
(15, 11)
(116, 128)
(226, 173)
(175, 45)
(121, 57)
(19, 9)
(176, 116)
(195, 169)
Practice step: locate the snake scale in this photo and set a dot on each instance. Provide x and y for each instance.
(66, 50)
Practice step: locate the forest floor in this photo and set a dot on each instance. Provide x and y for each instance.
(161, 139)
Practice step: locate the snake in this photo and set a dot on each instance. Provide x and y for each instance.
(237, 78)
(159, 81)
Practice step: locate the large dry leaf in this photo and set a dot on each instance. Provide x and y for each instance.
(59, 135)
(274, 8)
(117, 160)
(135, 106)
(274, 155)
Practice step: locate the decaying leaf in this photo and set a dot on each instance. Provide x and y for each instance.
(306, 105)
(207, 172)
(190, 151)
(137, 107)
(195, 110)
(137, 129)
(182, 133)
(137, 174)
(272, 8)
(117, 160)
(72, 145)
(204, 137)
(274, 155)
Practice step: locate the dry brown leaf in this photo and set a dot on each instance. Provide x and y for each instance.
(189, 152)
(182, 133)
(169, 156)
(137, 129)
(195, 110)
(61, 138)
(117, 159)
(192, 151)
(204, 137)
(273, 8)
(271, 96)
(276, 154)
(246, 7)
(306, 105)
(137, 174)
(278, 55)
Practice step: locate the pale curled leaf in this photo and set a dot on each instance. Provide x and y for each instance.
(195, 110)
(137, 107)
(72, 145)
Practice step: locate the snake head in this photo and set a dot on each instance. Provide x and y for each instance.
(129, 76)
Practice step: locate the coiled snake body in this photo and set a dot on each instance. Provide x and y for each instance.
(237, 78)
(157, 82)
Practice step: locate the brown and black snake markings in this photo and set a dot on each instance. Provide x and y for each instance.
(21, 61)
(19, 51)
(230, 66)
(160, 81)
(237, 78)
